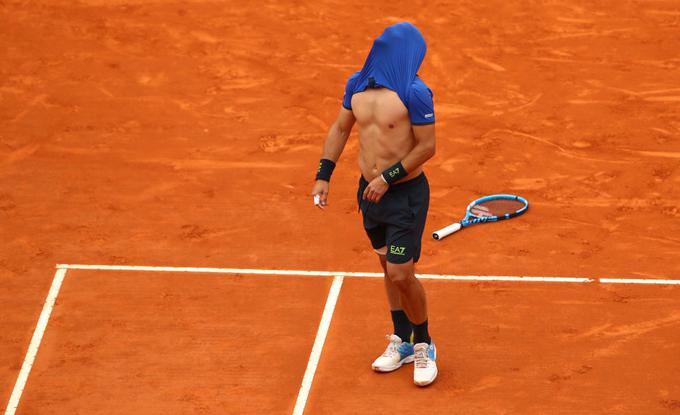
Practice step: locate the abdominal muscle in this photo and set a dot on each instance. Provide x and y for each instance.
(385, 133)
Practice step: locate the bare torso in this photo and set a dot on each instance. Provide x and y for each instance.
(385, 133)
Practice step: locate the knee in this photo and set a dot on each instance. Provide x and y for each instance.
(402, 276)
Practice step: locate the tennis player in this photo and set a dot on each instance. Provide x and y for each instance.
(395, 113)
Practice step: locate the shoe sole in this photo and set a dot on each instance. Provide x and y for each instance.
(427, 382)
(407, 359)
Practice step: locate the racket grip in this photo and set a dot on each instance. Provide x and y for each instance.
(444, 232)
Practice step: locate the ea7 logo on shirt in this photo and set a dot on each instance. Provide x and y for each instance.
(397, 250)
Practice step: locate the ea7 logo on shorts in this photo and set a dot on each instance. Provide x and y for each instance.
(397, 250)
(430, 115)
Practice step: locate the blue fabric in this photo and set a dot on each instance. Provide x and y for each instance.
(432, 352)
(393, 63)
(405, 350)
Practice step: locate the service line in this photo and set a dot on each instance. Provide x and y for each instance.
(257, 271)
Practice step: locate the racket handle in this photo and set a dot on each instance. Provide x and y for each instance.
(444, 232)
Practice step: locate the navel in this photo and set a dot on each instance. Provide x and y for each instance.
(391, 125)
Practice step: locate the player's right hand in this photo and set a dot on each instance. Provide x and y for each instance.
(320, 189)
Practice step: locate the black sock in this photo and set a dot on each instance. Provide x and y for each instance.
(402, 326)
(420, 333)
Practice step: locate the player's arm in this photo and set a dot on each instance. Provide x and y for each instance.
(336, 139)
(419, 154)
(424, 148)
(338, 134)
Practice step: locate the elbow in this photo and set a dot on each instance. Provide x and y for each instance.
(431, 150)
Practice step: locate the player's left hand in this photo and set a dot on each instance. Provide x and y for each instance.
(375, 190)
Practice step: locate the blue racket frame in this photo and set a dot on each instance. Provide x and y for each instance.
(467, 221)
(477, 219)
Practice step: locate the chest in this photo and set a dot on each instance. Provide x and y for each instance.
(379, 106)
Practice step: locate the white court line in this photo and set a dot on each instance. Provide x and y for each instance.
(35, 342)
(252, 271)
(638, 281)
(320, 339)
(255, 271)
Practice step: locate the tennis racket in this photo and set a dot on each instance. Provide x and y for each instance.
(487, 209)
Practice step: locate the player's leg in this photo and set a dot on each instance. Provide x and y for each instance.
(399, 349)
(400, 321)
(403, 251)
(393, 295)
(376, 233)
(414, 301)
(412, 297)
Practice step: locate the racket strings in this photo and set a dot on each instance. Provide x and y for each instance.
(498, 207)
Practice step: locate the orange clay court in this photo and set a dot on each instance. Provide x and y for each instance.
(187, 133)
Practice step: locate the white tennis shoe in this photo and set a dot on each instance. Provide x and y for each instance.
(396, 354)
(425, 368)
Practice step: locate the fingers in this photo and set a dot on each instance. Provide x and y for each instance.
(321, 200)
(372, 195)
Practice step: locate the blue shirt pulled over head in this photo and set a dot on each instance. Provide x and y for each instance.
(393, 63)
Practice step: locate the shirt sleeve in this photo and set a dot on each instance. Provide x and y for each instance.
(349, 91)
(420, 104)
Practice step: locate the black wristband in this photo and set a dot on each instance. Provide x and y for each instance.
(394, 173)
(325, 170)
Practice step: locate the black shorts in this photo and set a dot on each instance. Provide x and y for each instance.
(398, 220)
